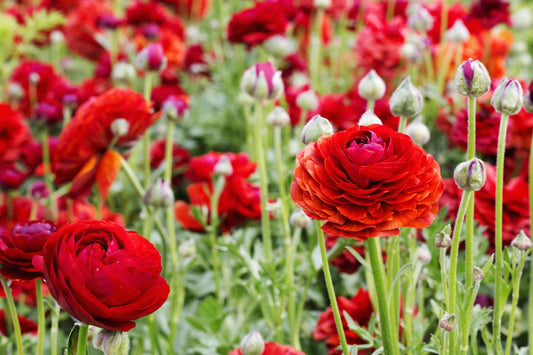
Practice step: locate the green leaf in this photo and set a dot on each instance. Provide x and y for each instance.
(399, 274)
(72, 345)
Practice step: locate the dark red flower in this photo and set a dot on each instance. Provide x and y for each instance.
(14, 133)
(488, 13)
(180, 159)
(103, 275)
(345, 262)
(15, 210)
(163, 92)
(272, 348)
(191, 9)
(18, 248)
(359, 307)
(195, 60)
(141, 14)
(366, 182)
(27, 326)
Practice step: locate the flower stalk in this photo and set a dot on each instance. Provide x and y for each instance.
(40, 319)
(12, 310)
(82, 339)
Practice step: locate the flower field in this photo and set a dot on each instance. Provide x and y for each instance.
(273, 177)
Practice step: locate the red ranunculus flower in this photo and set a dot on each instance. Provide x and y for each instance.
(14, 133)
(345, 262)
(485, 14)
(151, 13)
(359, 307)
(366, 182)
(83, 155)
(272, 348)
(27, 326)
(191, 9)
(103, 275)
(18, 248)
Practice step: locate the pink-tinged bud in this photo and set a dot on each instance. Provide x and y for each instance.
(175, 108)
(112, 342)
(443, 239)
(151, 31)
(108, 21)
(159, 194)
(423, 254)
(151, 58)
(470, 175)
(278, 117)
(507, 97)
(448, 322)
(262, 82)
(11, 178)
(472, 78)
(458, 33)
(48, 113)
(521, 242)
(252, 344)
(419, 18)
(70, 100)
(478, 274)
(39, 190)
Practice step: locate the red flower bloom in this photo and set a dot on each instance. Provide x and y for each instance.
(272, 348)
(83, 155)
(25, 291)
(359, 307)
(79, 210)
(14, 133)
(239, 200)
(18, 248)
(191, 9)
(488, 13)
(151, 13)
(27, 326)
(103, 275)
(367, 182)
(17, 210)
(345, 262)
(161, 93)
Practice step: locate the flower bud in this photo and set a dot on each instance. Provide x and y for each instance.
(410, 51)
(299, 219)
(15, 92)
(521, 242)
(443, 239)
(120, 127)
(470, 175)
(418, 132)
(34, 78)
(478, 274)
(48, 113)
(187, 249)
(151, 58)
(458, 33)
(371, 87)
(278, 45)
(317, 127)
(447, 322)
(175, 108)
(57, 37)
(262, 82)
(112, 342)
(123, 74)
(522, 19)
(307, 100)
(159, 194)
(252, 344)
(322, 4)
(406, 100)
(507, 97)
(223, 167)
(368, 118)
(278, 117)
(423, 254)
(39, 190)
(472, 78)
(419, 18)
(108, 22)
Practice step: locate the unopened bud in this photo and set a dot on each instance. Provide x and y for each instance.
(307, 100)
(458, 33)
(151, 58)
(159, 194)
(322, 4)
(175, 108)
(252, 344)
(507, 97)
(443, 239)
(123, 74)
(521, 242)
(478, 274)
(369, 118)
(15, 92)
(418, 132)
(223, 167)
(278, 45)
(120, 127)
(299, 219)
(278, 117)
(108, 22)
(419, 18)
(423, 254)
(448, 322)
(34, 78)
(39, 190)
(187, 249)
(262, 81)
(371, 87)
(470, 175)
(112, 342)
(317, 127)
(406, 100)
(57, 37)
(472, 78)
(410, 51)
(522, 19)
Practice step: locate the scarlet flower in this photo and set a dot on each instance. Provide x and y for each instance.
(84, 155)
(367, 181)
(14, 133)
(345, 262)
(272, 348)
(103, 275)
(27, 326)
(80, 210)
(17, 210)
(359, 307)
(161, 93)
(191, 9)
(488, 13)
(152, 13)
(18, 248)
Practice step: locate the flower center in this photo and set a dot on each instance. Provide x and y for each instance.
(367, 149)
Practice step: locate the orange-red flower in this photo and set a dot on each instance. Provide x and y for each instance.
(83, 154)
(367, 181)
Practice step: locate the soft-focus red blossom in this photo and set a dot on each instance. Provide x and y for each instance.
(239, 201)
(456, 11)
(335, 10)
(83, 25)
(366, 182)
(83, 155)
(180, 159)
(73, 210)
(195, 61)
(255, 25)
(24, 291)
(64, 6)
(191, 9)
(488, 13)
(27, 326)
(359, 307)
(17, 210)
(103, 275)
(163, 92)
(272, 348)
(14, 133)
(173, 46)
(141, 13)
(18, 248)
(345, 262)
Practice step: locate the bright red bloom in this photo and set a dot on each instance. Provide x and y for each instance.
(239, 200)
(180, 159)
(17, 210)
(195, 61)
(345, 262)
(27, 326)
(103, 275)
(359, 307)
(80, 210)
(83, 154)
(191, 9)
(152, 13)
(161, 93)
(272, 348)
(14, 133)
(18, 248)
(488, 13)
(366, 182)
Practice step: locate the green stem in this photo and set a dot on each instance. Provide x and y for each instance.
(213, 231)
(146, 137)
(168, 178)
(82, 339)
(471, 153)
(530, 310)
(54, 328)
(498, 292)
(376, 262)
(444, 276)
(517, 276)
(291, 304)
(331, 290)
(402, 124)
(370, 103)
(40, 311)
(12, 310)
(261, 162)
(153, 334)
(453, 262)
